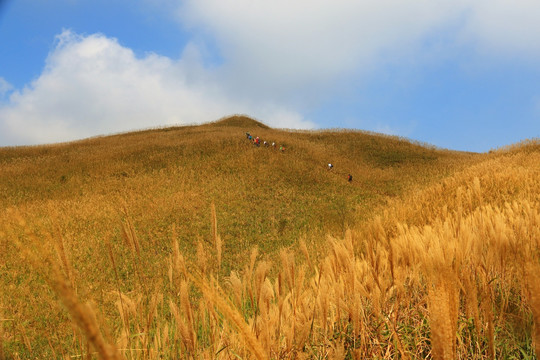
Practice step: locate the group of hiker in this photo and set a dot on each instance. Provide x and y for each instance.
(330, 167)
(257, 142)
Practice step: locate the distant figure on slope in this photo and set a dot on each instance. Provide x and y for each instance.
(248, 135)
(330, 166)
(282, 148)
(257, 141)
(274, 144)
(350, 178)
(265, 143)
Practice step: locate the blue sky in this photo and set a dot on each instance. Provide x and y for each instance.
(456, 74)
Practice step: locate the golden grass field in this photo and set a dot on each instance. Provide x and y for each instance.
(190, 242)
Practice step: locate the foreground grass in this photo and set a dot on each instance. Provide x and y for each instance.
(120, 230)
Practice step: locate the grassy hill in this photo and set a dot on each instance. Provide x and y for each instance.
(172, 176)
(114, 220)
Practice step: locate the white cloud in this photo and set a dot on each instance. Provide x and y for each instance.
(282, 48)
(5, 87)
(92, 85)
(506, 27)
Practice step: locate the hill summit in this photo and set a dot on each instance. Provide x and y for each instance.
(240, 121)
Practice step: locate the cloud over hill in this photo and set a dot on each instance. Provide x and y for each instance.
(430, 70)
(93, 85)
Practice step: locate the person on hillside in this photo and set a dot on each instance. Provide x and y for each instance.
(282, 148)
(274, 144)
(265, 143)
(248, 135)
(330, 166)
(258, 141)
(350, 178)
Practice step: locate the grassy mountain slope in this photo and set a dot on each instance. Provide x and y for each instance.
(171, 176)
(94, 201)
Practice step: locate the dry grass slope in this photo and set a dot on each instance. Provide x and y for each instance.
(180, 243)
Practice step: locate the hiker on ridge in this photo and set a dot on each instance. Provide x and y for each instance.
(330, 166)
